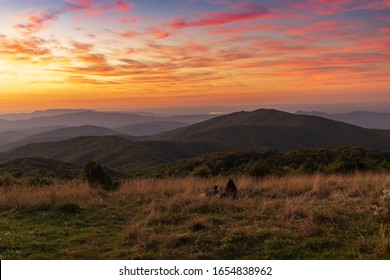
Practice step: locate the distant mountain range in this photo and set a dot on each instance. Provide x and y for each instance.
(44, 113)
(262, 129)
(363, 119)
(61, 134)
(56, 125)
(150, 128)
(104, 119)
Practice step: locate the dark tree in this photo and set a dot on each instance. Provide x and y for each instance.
(259, 169)
(97, 177)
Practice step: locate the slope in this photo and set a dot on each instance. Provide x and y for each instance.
(150, 128)
(105, 119)
(115, 152)
(363, 119)
(26, 167)
(272, 129)
(61, 134)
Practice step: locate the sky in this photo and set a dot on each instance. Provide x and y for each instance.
(123, 54)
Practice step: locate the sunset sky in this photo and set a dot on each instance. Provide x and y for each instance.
(152, 53)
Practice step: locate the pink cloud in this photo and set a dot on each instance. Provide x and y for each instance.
(243, 29)
(37, 21)
(315, 28)
(157, 33)
(128, 35)
(385, 30)
(328, 7)
(96, 8)
(124, 6)
(241, 12)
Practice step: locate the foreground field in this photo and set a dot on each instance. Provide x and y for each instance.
(294, 217)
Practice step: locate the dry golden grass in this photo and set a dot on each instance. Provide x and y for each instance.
(16, 197)
(317, 186)
(308, 216)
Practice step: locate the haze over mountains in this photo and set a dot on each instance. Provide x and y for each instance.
(262, 129)
(44, 113)
(359, 118)
(61, 134)
(104, 119)
(17, 129)
(150, 128)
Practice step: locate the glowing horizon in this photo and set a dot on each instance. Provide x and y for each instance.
(133, 54)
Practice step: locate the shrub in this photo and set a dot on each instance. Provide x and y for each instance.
(259, 169)
(7, 180)
(97, 177)
(308, 166)
(202, 171)
(37, 181)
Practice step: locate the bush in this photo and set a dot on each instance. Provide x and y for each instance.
(259, 169)
(97, 177)
(37, 181)
(7, 180)
(202, 171)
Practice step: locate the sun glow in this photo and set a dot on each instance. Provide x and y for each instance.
(198, 53)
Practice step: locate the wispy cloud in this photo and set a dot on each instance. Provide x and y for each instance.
(22, 49)
(96, 8)
(37, 21)
(240, 12)
(81, 47)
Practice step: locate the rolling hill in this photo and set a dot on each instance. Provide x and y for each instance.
(363, 119)
(10, 136)
(258, 130)
(113, 151)
(104, 119)
(150, 128)
(43, 167)
(43, 113)
(272, 129)
(61, 134)
(16, 135)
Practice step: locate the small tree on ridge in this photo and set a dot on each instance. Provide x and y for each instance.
(97, 177)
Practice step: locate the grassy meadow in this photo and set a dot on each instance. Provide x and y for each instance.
(292, 217)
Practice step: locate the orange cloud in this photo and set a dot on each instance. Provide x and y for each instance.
(92, 59)
(128, 35)
(83, 80)
(81, 47)
(23, 49)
